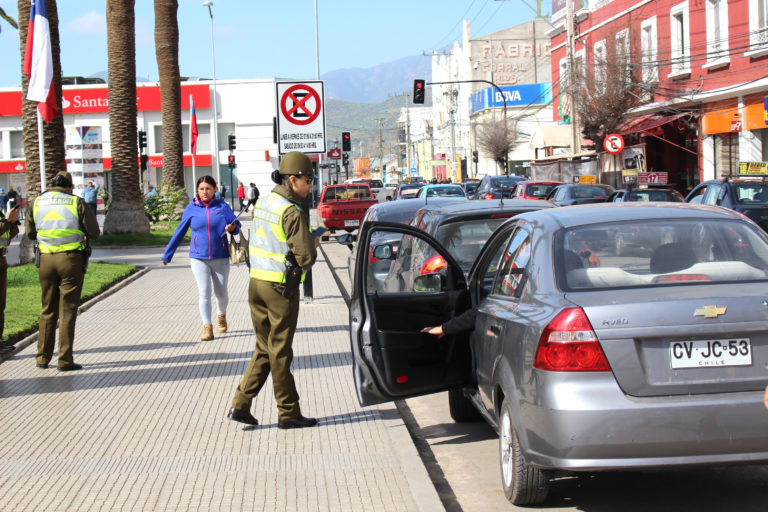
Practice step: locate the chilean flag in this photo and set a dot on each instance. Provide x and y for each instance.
(38, 62)
(192, 127)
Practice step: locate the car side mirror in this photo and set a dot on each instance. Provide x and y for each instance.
(347, 239)
(429, 283)
(383, 252)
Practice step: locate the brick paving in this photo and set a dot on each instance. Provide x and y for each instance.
(143, 426)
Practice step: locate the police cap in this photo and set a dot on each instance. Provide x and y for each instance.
(297, 163)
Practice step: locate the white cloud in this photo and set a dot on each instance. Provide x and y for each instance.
(89, 23)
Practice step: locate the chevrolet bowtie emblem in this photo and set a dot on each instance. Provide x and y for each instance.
(710, 311)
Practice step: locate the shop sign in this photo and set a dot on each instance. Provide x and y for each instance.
(753, 167)
(652, 178)
(584, 179)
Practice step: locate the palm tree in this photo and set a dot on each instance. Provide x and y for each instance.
(7, 18)
(167, 54)
(126, 211)
(53, 132)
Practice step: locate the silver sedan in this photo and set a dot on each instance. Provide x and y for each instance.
(582, 357)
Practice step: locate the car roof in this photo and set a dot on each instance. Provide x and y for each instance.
(401, 205)
(485, 205)
(626, 212)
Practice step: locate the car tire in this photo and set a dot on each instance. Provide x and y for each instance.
(461, 407)
(522, 483)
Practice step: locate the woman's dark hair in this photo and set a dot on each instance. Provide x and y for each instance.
(207, 179)
(61, 181)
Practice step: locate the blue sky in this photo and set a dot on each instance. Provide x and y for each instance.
(263, 38)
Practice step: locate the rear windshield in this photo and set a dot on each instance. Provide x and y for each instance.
(463, 240)
(660, 253)
(589, 193)
(504, 181)
(374, 183)
(539, 190)
(347, 192)
(448, 191)
(751, 193)
(656, 195)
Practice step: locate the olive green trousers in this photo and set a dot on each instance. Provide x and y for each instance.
(61, 279)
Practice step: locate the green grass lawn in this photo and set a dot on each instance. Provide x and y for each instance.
(22, 310)
(159, 234)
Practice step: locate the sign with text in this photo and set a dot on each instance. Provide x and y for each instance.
(753, 167)
(300, 116)
(652, 178)
(515, 95)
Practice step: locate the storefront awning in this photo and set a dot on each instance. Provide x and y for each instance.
(647, 122)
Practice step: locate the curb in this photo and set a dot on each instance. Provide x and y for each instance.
(25, 342)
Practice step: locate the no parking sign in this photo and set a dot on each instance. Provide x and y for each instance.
(300, 116)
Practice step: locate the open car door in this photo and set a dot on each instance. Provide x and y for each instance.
(404, 281)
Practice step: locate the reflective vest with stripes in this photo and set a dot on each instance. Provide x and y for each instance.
(58, 223)
(5, 238)
(268, 244)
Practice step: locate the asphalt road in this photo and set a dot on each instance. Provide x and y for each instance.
(463, 462)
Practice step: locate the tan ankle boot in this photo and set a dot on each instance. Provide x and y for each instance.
(222, 324)
(207, 332)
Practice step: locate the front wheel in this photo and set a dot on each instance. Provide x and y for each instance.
(522, 483)
(461, 407)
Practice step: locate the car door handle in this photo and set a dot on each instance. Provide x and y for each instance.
(495, 329)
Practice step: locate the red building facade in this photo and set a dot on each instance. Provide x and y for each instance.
(702, 67)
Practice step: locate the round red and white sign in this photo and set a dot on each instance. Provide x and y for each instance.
(300, 104)
(613, 143)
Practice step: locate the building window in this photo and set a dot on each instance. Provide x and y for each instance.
(17, 144)
(649, 49)
(758, 28)
(623, 52)
(203, 138)
(680, 44)
(600, 66)
(717, 34)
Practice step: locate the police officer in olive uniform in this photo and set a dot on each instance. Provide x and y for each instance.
(60, 222)
(8, 229)
(278, 228)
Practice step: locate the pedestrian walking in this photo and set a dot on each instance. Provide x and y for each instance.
(90, 196)
(253, 195)
(281, 246)
(210, 219)
(3, 199)
(62, 224)
(241, 195)
(8, 229)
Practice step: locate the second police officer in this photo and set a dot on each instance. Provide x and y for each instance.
(61, 223)
(281, 245)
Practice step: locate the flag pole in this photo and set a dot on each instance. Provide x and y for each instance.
(41, 150)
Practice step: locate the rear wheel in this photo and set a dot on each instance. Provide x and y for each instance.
(461, 407)
(523, 484)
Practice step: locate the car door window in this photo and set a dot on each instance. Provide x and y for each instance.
(560, 194)
(710, 196)
(514, 261)
(401, 266)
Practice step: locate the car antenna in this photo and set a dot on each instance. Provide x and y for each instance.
(501, 200)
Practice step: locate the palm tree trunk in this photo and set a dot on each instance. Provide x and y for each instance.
(126, 212)
(167, 54)
(53, 132)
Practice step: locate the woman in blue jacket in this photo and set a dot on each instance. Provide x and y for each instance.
(210, 219)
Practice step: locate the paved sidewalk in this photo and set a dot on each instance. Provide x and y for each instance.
(143, 426)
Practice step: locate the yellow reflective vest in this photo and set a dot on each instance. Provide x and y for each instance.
(58, 223)
(268, 244)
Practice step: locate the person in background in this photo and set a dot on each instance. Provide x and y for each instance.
(8, 229)
(210, 219)
(61, 223)
(253, 195)
(151, 191)
(13, 198)
(3, 199)
(90, 195)
(241, 195)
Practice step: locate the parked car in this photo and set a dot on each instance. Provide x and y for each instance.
(470, 187)
(654, 359)
(534, 189)
(343, 206)
(444, 190)
(380, 191)
(408, 190)
(748, 196)
(569, 194)
(399, 212)
(645, 195)
(496, 187)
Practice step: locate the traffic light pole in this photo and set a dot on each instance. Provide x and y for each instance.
(506, 128)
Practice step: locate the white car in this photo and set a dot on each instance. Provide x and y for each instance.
(380, 191)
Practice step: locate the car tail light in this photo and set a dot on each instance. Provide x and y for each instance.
(681, 277)
(488, 196)
(433, 265)
(569, 344)
(324, 211)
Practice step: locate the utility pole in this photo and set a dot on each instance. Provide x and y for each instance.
(381, 151)
(575, 137)
(455, 173)
(407, 137)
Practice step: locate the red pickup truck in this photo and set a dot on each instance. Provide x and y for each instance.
(343, 206)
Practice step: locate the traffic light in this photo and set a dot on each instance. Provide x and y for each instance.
(142, 140)
(232, 159)
(418, 91)
(143, 160)
(345, 159)
(346, 142)
(474, 156)
(232, 142)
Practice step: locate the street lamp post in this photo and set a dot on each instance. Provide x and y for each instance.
(215, 146)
